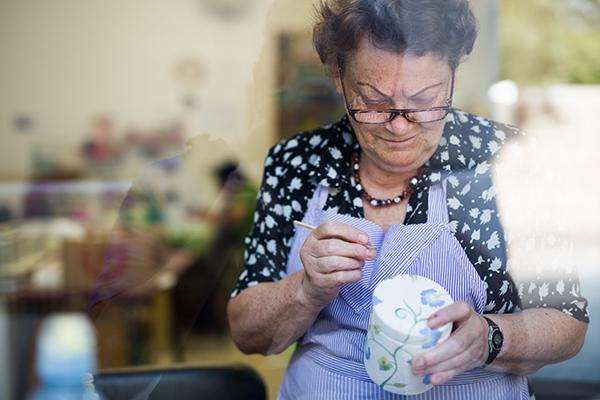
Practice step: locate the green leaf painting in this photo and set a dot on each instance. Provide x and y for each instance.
(384, 364)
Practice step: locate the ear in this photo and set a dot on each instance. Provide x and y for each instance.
(338, 84)
(336, 76)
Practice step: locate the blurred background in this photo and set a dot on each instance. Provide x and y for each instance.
(133, 139)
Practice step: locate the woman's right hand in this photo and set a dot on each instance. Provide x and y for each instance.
(333, 255)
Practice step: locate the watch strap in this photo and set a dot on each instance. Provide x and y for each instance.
(493, 351)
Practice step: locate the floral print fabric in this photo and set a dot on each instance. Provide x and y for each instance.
(464, 158)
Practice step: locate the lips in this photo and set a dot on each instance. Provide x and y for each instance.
(398, 140)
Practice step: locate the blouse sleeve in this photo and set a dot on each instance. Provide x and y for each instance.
(550, 278)
(542, 260)
(511, 238)
(269, 241)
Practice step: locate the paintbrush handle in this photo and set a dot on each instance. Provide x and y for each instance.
(307, 226)
(312, 227)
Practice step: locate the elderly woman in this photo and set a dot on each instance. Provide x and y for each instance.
(401, 156)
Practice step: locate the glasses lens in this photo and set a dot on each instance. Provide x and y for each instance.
(372, 117)
(427, 115)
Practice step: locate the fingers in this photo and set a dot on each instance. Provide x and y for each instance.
(462, 361)
(334, 229)
(329, 247)
(455, 345)
(337, 279)
(334, 246)
(447, 356)
(455, 312)
(333, 255)
(330, 264)
(443, 377)
(462, 351)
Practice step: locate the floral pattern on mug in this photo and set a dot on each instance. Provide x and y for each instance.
(385, 364)
(433, 336)
(431, 297)
(427, 379)
(376, 301)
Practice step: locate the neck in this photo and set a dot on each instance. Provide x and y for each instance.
(382, 179)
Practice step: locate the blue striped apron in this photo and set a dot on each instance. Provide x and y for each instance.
(328, 361)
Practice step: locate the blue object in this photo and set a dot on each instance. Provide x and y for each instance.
(66, 359)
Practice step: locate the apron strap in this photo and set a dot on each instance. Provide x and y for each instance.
(315, 204)
(437, 209)
(319, 198)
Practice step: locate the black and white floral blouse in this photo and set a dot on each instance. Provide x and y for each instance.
(294, 167)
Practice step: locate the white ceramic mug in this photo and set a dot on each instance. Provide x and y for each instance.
(398, 331)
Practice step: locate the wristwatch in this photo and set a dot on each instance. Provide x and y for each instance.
(495, 340)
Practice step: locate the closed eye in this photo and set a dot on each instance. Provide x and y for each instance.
(423, 102)
(376, 103)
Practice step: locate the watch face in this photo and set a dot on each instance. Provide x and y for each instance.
(497, 339)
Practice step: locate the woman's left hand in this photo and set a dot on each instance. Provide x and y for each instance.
(466, 348)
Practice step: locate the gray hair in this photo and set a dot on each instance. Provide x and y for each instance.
(446, 28)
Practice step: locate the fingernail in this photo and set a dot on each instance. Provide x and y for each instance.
(371, 253)
(432, 321)
(418, 371)
(363, 238)
(419, 363)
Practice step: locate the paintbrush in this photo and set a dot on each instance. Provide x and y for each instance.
(312, 227)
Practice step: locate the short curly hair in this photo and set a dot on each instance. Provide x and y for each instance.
(446, 28)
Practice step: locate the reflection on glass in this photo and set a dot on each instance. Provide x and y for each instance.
(117, 201)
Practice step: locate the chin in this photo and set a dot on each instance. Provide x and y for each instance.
(401, 162)
(404, 160)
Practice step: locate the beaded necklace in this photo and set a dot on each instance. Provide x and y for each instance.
(414, 182)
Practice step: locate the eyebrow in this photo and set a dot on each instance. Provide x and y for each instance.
(360, 83)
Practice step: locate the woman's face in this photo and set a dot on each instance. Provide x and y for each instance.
(378, 79)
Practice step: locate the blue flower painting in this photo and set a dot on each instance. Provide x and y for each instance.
(432, 298)
(368, 353)
(376, 301)
(433, 337)
(427, 379)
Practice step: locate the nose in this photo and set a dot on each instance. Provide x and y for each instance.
(398, 125)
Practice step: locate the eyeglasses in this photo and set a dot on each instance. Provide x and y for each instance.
(420, 116)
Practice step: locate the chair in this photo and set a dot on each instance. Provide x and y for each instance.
(222, 383)
(556, 389)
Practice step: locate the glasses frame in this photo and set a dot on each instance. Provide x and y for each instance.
(395, 112)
